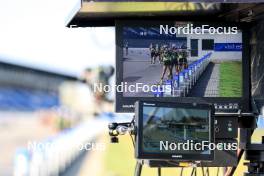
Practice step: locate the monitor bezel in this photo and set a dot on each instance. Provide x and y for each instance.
(126, 104)
(141, 154)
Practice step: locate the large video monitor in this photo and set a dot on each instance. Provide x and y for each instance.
(175, 131)
(182, 60)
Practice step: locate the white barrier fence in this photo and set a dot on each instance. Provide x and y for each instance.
(182, 83)
(52, 156)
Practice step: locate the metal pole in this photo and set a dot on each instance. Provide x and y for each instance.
(159, 171)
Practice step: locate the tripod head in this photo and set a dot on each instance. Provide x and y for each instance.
(116, 129)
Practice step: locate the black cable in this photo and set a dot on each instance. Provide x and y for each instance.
(233, 169)
(133, 141)
(217, 171)
(138, 168)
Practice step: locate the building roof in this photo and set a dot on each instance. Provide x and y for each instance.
(35, 70)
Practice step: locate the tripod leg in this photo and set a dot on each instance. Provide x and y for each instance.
(207, 171)
(159, 171)
(193, 170)
(138, 169)
(203, 171)
(181, 171)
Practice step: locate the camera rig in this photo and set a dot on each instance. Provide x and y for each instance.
(254, 153)
(116, 129)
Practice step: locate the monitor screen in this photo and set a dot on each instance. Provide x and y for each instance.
(179, 60)
(174, 131)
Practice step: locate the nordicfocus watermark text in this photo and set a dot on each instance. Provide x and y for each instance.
(132, 88)
(88, 146)
(191, 29)
(190, 145)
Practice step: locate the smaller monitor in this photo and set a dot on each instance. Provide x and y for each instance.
(174, 131)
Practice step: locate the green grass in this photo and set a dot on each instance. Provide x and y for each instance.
(230, 79)
(119, 161)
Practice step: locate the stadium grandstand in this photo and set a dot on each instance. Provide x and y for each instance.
(28, 89)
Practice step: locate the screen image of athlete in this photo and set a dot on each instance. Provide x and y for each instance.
(167, 63)
(158, 53)
(175, 60)
(183, 62)
(152, 53)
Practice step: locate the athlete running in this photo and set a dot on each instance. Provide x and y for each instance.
(183, 63)
(166, 57)
(157, 53)
(152, 54)
(174, 60)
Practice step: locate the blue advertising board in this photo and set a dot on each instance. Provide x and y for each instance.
(228, 47)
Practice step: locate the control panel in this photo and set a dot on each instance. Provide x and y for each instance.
(227, 107)
(226, 127)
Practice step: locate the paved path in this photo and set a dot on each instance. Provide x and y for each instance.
(208, 83)
(137, 69)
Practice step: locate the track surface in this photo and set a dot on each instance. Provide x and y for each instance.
(208, 84)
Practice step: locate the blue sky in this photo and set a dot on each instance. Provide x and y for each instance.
(33, 33)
